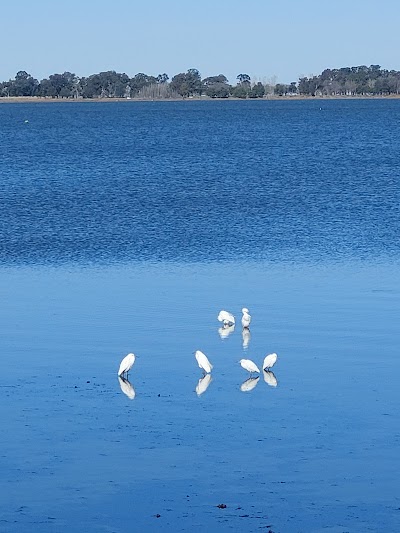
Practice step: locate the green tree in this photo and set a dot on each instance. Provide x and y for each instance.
(244, 79)
(162, 78)
(59, 85)
(23, 85)
(187, 83)
(217, 86)
(139, 81)
(240, 91)
(257, 91)
(108, 84)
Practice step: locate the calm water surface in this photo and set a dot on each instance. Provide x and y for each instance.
(127, 227)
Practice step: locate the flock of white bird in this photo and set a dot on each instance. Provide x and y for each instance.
(228, 322)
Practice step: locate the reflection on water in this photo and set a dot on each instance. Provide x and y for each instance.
(225, 331)
(203, 384)
(249, 384)
(246, 336)
(270, 379)
(127, 387)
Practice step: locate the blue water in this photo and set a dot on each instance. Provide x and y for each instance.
(199, 181)
(127, 227)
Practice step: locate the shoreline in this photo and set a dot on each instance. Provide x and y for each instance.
(41, 99)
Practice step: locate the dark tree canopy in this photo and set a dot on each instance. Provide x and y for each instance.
(217, 86)
(187, 84)
(243, 79)
(345, 81)
(257, 91)
(349, 81)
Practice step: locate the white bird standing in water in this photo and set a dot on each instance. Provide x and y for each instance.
(246, 318)
(248, 365)
(203, 362)
(269, 361)
(226, 318)
(126, 364)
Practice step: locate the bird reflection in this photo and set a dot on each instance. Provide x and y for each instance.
(203, 384)
(249, 384)
(269, 378)
(225, 331)
(246, 335)
(126, 387)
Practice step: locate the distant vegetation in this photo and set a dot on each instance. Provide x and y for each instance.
(348, 81)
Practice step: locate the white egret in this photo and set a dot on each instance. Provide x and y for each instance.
(226, 318)
(248, 365)
(269, 361)
(270, 379)
(126, 387)
(203, 384)
(203, 362)
(246, 336)
(126, 364)
(249, 384)
(225, 331)
(246, 318)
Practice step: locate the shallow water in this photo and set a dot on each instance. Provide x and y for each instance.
(127, 228)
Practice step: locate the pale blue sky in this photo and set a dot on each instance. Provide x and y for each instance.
(286, 39)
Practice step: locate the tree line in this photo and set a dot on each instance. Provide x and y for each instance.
(348, 81)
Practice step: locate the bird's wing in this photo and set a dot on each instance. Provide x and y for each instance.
(225, 316)
(270, 360)
(123, 365)
(206, 363)
(197, 356)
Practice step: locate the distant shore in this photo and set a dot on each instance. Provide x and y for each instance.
(40, 99)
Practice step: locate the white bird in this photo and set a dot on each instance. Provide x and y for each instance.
(249, 384)
(269, 361)
(203, 384)
(126, 388)
(226, 318)
(246, 318)
(225, 331)
(246, 336)
(203, 362)
(270, 379)
(248, 365)
(126, 364)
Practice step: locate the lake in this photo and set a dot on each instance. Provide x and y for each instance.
(127, 227)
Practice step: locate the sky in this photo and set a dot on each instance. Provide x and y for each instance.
(277, 41)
